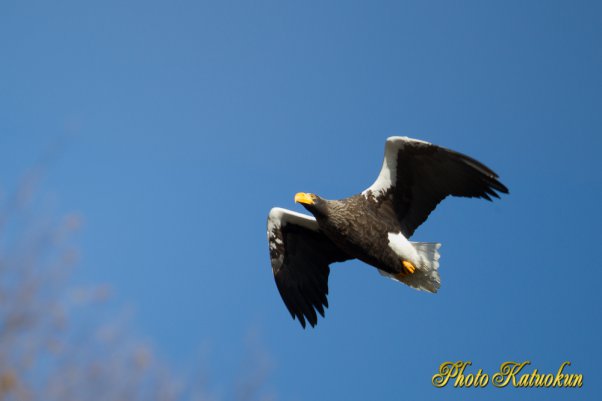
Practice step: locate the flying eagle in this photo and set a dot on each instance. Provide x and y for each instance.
(373, 226)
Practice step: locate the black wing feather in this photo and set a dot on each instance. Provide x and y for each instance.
(300, 261)
(426, 174)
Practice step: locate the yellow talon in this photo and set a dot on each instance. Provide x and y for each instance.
(409, 268)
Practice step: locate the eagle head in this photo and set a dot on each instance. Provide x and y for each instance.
(312, 202)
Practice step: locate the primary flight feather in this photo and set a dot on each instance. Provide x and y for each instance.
(373, 226)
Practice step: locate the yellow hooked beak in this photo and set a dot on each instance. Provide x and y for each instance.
(302, 197)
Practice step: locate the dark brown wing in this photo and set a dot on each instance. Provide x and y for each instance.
(417, 175)
(301, 254)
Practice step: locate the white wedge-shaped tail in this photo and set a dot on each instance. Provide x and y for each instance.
(426, 277)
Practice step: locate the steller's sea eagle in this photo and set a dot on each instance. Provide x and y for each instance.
(373, 226)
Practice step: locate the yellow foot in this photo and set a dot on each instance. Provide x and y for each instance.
(408, 267)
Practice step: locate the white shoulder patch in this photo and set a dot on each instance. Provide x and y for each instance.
(388, 173)
(279, 217)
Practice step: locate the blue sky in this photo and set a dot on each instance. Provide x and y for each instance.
(174, 127)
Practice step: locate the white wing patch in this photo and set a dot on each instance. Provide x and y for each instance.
(388, 173)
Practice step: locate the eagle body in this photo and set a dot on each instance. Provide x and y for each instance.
(373, 226)
(362, 232)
